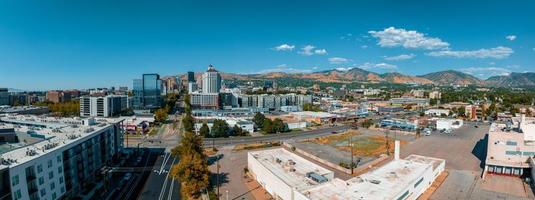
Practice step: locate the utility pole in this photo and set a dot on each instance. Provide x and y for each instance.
(217, 178)
(351, 146)
(387, 143)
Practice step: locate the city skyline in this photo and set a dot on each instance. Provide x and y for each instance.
(62, 45)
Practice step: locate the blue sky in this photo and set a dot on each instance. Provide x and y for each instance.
(84, 44)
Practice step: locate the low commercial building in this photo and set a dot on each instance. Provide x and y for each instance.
(448, 124)
(287, 176)
(316, 117)
(103, 106)
(402, 101)
(399, 124)
(245, 125)
(60, 166)
(437, 112)
(511, 146)
(389, 109)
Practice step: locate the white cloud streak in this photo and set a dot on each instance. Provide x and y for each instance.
(309, 50)
(410, 39)
(338, 60)
(284, 68)
(284, 47)
(497, 53)
(400, 57)
(511, 37)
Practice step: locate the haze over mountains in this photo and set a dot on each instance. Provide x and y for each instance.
(448, 77)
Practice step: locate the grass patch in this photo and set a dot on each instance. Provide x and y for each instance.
(241, 147)
(363, 145)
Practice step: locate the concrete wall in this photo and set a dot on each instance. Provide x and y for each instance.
(269, 181)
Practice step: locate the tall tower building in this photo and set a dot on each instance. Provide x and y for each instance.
(191, 77)
(211, 81)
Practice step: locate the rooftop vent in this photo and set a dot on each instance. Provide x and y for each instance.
(31, 152)
(50, 145)
(89, 130)
(375, 181)
(7, 161)
(72, 137)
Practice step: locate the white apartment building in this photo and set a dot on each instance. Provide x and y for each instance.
(103, 106)
(68, 157)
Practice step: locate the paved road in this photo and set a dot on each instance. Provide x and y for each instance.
(159, 185)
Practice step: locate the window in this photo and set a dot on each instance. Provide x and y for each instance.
(43, 192)
(511, 143)
(418, 183)
(54, 195)
(402, 197)
(50, 175)
(59, 159)
(39, 168)
(49, 163)
(512, 153)
(52, 186)
(41, 180)
(60, 169)
(17, 195)
(60, 179)
(15, 180)
(62, 189)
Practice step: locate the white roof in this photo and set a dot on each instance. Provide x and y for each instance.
(296, 179)
(59, 132)
(383, 183)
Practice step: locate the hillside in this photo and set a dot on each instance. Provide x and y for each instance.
(512, 80)
(452, 77)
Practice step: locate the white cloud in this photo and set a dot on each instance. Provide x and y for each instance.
(400, 57)
(383, 66)
(486, 72)
(284, 68)
(511, 37)
(364, 46)
(284, 47)
(309, 50)
(497, 52)
(410, 39)
(315, 67)
(338, 60)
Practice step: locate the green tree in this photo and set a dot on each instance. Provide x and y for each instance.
(367, 123)
(236, 130)
(258, 120)
(205, 130)
(160, 115)
(279, 126)
(267, 126)
(311, 107)
(187, 123)
(220, 128)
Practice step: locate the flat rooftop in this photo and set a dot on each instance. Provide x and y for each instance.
(509, 145)
(54, 132)
(281, 162)
(382, 183)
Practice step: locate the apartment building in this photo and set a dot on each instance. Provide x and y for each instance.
(103, 106)
(67, 159)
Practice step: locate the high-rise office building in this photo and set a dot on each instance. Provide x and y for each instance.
(211, 81)
(147, 92)
(191, 77)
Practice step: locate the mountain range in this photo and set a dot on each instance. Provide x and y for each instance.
(448, 77)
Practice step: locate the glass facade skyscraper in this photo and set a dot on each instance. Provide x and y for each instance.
(147, 92)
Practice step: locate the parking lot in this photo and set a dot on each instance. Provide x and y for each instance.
(465, 152)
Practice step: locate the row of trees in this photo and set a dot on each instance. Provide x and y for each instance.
(312, 107)
(269, 126)
(192, 168)
(65, 109)
(161, 114)
(220, 128)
